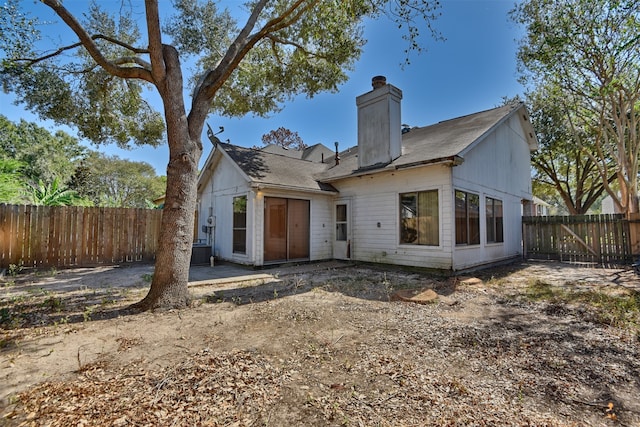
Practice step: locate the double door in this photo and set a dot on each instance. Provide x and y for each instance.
(286, 229)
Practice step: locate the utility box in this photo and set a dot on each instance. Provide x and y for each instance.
(200, 254)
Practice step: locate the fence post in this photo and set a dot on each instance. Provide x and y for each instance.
(634, 233)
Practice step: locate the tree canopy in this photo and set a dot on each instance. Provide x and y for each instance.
(39, 167)
(98, 81)
(285, 138)
(44, 156)
(115, 182)
(589, 52)
(560, 164)
(12, 184)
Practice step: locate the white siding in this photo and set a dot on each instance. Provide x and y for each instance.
(217, 196)
(497, 167)
(375, 199)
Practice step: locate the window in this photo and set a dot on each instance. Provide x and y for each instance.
(240, 225)
(341, 223)
(494, 220)
(467, 218)
(419, 220)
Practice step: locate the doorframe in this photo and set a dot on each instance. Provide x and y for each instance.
(287, 230)
(342, 249)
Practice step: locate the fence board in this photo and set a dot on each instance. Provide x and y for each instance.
(595, 239)
(41, 236)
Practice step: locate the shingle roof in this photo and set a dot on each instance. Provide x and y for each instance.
(312, 153)
(274, 169)
(423, 145)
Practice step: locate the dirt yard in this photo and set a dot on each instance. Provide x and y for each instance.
(529, 344)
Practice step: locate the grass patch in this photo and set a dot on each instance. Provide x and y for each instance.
(620, 310)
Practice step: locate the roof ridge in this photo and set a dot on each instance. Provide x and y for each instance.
(512, 106)
(265, 152)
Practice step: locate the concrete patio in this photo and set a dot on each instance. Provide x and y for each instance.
(221, 274)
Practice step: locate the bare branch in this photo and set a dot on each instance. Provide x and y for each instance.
(33, 61)
(277, 40)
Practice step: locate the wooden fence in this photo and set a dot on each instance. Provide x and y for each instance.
(593, 239)
(42, 236)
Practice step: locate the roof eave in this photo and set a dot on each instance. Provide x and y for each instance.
(527, 127)
(450, 160)
(263, 185)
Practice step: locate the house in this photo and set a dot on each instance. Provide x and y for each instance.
(446, 196)
(609, 206)
(539, 207)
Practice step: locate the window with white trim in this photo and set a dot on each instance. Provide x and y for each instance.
(419, 218)
(467, 218)
(493, 210)
(240, 225)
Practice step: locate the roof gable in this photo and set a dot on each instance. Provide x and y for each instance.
(443, 141)
(446, 141)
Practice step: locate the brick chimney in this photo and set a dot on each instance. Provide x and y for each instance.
(379, 125)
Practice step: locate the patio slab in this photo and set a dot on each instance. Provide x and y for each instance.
(222, 274)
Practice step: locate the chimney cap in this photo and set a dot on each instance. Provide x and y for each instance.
(378, 81)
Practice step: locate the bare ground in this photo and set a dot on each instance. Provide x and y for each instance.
(318, 348)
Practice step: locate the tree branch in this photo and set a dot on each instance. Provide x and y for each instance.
(33, 61)
(132, 60)
(89, 44)
(158, 67)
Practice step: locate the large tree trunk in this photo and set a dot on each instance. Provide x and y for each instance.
(171, 275)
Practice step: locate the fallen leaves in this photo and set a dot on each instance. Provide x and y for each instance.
(341, 354)
(206, 389)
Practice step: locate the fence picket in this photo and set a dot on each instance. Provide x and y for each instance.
(41, 236)
(594, 239)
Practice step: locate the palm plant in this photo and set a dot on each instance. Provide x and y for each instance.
(55, 194)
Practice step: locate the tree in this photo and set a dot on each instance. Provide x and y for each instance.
(560, 164)
(590, 51)
(95, 82)
(284, 138)
(12, 185)
(44, 156)
(115, 182)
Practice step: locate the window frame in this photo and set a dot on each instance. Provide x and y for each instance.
(470, 235)
(239, 229)
(494, 223)
(342, 223)
(431, 237)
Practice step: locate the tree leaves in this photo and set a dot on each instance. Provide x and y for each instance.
(54, 194)
(285, 138)
(115, 182)
(589, 51)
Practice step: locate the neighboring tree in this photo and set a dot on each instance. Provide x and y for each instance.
(12, 185)
(560, 163)
(590, 51)
(115, 182)
(96, 82)
(284, 138)
(54, 194)
(44, 156)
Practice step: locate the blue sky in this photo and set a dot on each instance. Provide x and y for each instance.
(472, 70)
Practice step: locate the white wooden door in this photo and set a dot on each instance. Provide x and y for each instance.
(342, 230)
